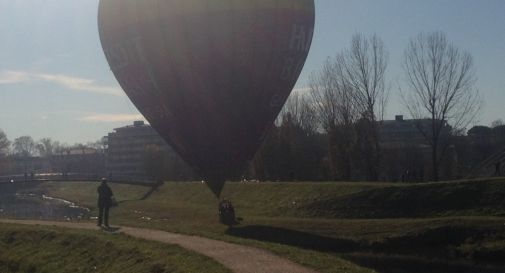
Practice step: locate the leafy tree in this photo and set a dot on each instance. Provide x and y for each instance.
(291, 151)
(480, 131)
(497, 123)
(499, 134)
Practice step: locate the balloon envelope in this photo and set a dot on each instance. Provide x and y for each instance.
(209, 76)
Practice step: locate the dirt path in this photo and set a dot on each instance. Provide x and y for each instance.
(238, 258)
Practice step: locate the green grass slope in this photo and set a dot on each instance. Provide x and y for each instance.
(51, 250)
(332, 227)
(464, 198)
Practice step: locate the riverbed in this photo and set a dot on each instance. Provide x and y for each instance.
(28, 205)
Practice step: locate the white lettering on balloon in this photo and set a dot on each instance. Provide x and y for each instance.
(292, 68)
(299, 45)
(301, 38)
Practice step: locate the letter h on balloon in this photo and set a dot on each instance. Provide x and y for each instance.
(301, 38)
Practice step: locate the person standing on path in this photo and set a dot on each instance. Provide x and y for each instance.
(497, 171)
(104, 203)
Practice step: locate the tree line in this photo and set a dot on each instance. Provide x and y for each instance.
(332, 130)
(337, 121)
(26, 146)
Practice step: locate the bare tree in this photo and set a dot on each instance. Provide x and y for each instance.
(4, 149)
(100, 145)
(4, 144)
(441, 83)
(291, 151)
(24, 146)
(332, 95)
(336, 114)
(46, 147)
(60, 148)
(365, 65)
(299, 110)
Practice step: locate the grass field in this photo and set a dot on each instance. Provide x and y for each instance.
(332, 227)
(43, 249)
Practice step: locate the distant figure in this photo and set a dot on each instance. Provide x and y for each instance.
(497, 167)
(104, 203)
(227, 213)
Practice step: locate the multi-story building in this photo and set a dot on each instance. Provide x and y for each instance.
(127, 147)
(138, 150)
(406, 153)
(82, 160)
(402, 131)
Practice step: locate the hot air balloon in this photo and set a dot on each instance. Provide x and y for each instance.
(210, 76)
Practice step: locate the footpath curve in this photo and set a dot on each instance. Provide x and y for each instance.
(238, 258)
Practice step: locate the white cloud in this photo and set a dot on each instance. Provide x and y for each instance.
(111, 118)
(12, 77)
(72, 83)
(79, 84)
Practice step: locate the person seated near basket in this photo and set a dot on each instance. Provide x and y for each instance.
(227, 213)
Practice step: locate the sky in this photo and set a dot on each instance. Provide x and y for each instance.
(55, 81)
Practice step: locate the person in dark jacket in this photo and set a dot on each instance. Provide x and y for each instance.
(104, 203)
